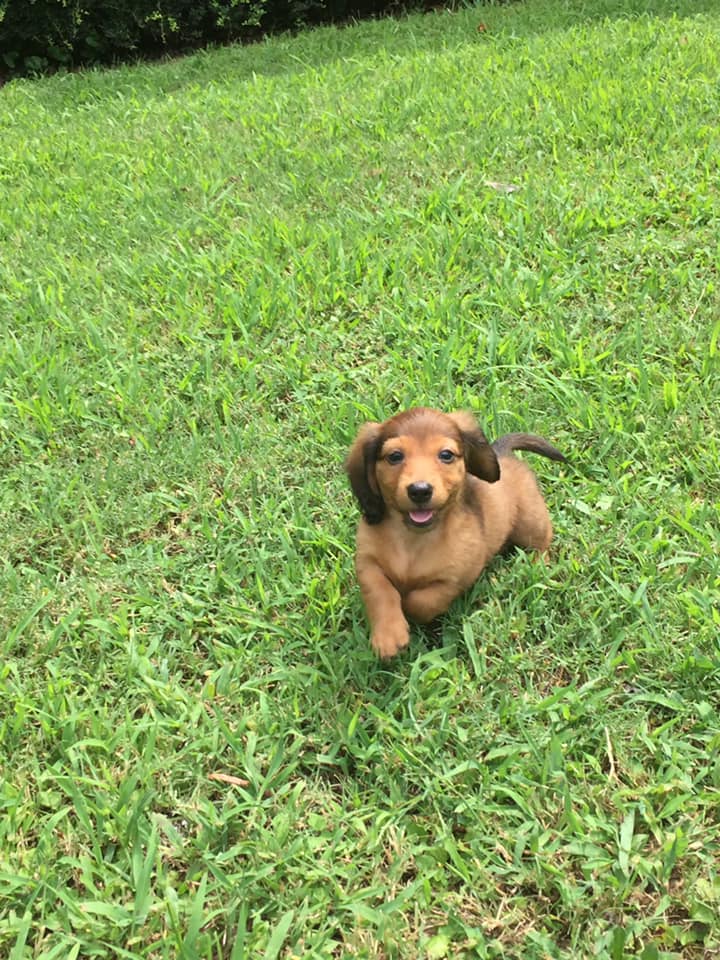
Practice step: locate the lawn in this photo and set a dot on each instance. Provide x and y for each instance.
(213, 270)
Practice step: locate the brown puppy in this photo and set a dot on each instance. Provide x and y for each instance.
(438, 501)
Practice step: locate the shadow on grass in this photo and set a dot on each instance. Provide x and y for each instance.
(319, 47)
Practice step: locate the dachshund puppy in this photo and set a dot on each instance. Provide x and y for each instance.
(438, 501)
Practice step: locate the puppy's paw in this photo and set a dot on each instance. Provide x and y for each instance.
(389, 639)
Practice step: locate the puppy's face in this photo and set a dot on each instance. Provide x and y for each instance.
(418, 473)
(415, 464)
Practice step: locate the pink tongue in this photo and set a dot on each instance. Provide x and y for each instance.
(420, 516)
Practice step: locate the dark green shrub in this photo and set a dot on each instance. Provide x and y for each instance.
(39, 35)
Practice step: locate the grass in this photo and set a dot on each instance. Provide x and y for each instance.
(214, 270)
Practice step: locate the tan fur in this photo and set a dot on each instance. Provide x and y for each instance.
(416, 572)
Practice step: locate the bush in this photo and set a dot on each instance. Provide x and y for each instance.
(41, 35)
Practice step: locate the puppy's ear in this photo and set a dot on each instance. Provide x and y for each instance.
(480, 459)
(360, 468)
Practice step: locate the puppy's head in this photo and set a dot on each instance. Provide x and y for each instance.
(415, 464)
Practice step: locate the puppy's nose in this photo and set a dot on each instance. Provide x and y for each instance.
(419, 492)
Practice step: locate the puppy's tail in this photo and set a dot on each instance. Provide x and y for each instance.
(525, 441)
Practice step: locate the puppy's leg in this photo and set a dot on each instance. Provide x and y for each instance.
(426, 603)
(532, 529)
(389, 628)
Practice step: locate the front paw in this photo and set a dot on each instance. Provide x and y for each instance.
(389, 640)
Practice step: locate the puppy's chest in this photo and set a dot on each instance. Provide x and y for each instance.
(417, 560)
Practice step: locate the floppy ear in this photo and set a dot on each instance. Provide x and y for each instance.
(360, 468)
(480, 459)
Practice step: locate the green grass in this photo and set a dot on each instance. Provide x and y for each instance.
(213, 270)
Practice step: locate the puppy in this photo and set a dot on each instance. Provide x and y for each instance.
(438, 501)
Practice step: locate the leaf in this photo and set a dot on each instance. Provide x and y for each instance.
(672, 703)
(229, 778)
(364, 912)
(507, 750)
(110, 911)
(626, 834)
(617, 946)
(142, 872)
(238, 950)
(472, 649)
(438, 946)
(502, 187)
(195, 921)
(278, 937)
(19, 949)
(353, 722)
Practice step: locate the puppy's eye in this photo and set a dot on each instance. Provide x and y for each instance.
(447, 456)
(395, 456)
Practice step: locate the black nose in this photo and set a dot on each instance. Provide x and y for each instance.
(420, 492)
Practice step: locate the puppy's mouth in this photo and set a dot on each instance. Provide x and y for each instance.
(420, 518)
